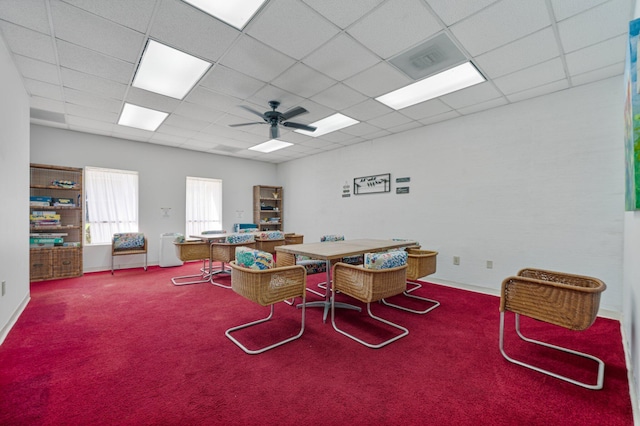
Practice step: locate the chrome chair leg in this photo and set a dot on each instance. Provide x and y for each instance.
(260, 321)
(222, 270)
(600, 377)
(357, 339)
(434, 303)
(204, 277)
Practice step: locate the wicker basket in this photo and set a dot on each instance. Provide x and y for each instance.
(566, 300)
(369, 285)
(293, 238)
(420, 263)
(268, 286)
(269, 245)
(285, 259)
(192, 250)
(67, 262)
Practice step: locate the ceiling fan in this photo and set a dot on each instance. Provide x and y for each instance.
(275, 118)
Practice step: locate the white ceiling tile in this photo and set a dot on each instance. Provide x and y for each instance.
(78, 97)
(126, 132)
(602, 22)
(426, 109)
(42, 89)
(94, 63)
(440, 117)
(198, 112)
(88, 123)
(493, 103)
(367, 110)
(257, 60)
(390, 120)
(303, 81)
(91, 113)
(404, 127)
(501, 23)
(564, 9)
(292, 28)
(539, 91)
(341, 58)
(272, 93)
(186, 122)
(183, 27)
(599, 74)
(151, 100)
(29, 14)
(597, 56)
(132, 14)
(453, 11)
(378, 80)
(85, 29)
(361, 129)
(530, 50)
(343, 13)
(46, 104)
(230, 82)
(379, 30)
(213, 100)
(166, 139)
(26, 42)
(339, 97)
(176, 131)
(471, 95)
(37, 70)
(93, 84)
(531, 77)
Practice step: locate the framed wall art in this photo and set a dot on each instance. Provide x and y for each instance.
(372, 184)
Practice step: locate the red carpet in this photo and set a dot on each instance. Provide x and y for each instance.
(132, 349)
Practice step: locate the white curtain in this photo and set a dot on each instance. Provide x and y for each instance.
(112, 203)
(204, 205)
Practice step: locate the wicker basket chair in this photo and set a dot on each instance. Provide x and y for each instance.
(368, 285)
(189, 251)
(566, 300)
(268, 287)
(225, 252)
(420, 263)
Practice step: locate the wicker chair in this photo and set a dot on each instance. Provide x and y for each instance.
(268, 287)
(420, 263)
(128, 243)
(567, 300)
(189, 251)
(368, 285)
(225, 252)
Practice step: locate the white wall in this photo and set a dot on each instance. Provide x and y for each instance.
(14, 187)
(534, 184)
(162, 182)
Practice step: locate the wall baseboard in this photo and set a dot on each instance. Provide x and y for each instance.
(4, 332)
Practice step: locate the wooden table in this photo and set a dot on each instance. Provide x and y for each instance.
(333, 250)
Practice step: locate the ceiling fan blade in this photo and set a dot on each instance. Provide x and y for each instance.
(293, 112)
(252, 111)
(247, 124)
(274, 132)
(299, 126)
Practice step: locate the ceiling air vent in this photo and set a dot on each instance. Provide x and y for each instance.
(40, 114)
(430, 57)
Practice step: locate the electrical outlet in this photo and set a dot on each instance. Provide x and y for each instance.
(456, 260)
(489, 264)
(4, 288)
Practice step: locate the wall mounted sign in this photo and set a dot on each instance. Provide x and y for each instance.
(372, 184)
(403, 179)
(402, 190)
(346, 190)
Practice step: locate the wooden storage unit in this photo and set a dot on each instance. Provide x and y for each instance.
(56, 212)
(267, 207)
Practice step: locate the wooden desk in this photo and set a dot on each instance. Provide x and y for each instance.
(333, 250)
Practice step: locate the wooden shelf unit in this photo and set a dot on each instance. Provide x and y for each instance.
(267, 206)
(47, 261)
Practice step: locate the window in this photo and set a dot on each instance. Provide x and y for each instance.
(204, 205)
(112, 203)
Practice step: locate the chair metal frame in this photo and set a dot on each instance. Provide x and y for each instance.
(252, 284)
(194, 250)
(224, 253)
(129, 251)
(420, 263)
(371, 285)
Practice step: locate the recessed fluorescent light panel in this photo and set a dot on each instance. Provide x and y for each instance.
(330, 124)
(448, 81)
(141, 118)
(270, 146)
(234, 12)
(168, 71)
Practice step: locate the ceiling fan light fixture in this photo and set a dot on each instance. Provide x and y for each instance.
(141, 118)
(270, 146)
(235, 13)
(330, 124)
(440, 84)
(168, 71)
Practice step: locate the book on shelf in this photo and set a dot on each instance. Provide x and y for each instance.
(42, 213)
(57, 241)
(47, 234)
(63, 202)
(39, 204)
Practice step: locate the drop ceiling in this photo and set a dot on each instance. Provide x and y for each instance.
(78, 59)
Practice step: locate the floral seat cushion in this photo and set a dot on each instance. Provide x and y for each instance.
(253, 259)
(239, 238)
(128, 241)
(385, 260)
